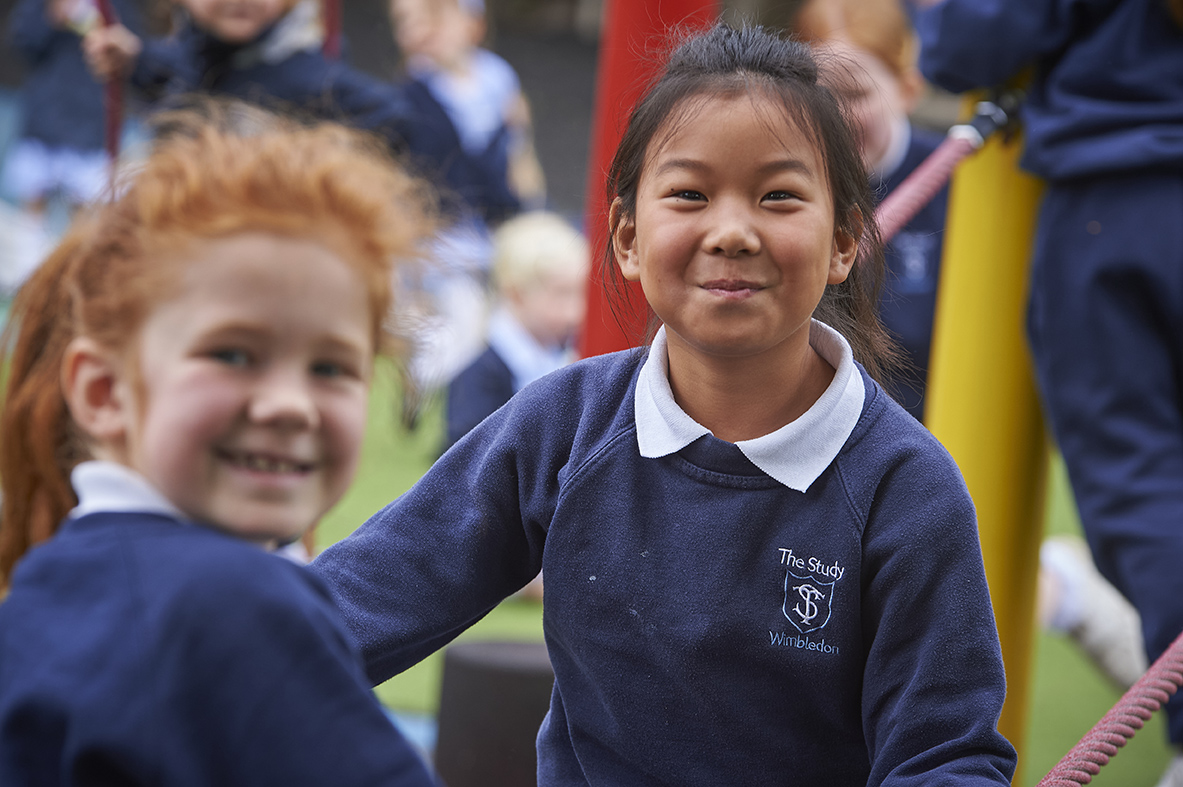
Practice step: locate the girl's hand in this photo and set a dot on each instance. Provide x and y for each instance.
(111, 52)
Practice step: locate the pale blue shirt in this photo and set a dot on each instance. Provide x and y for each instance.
(797, 453)
(526, 358)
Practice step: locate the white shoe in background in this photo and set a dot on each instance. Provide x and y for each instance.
(1173, 775)
(1084, 606)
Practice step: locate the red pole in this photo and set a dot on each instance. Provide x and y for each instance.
(113, 96)
(633, 35)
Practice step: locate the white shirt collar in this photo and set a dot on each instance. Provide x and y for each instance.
(797, 453)
(109, 486)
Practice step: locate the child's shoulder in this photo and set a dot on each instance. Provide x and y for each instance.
(592, 387)
(210, 568)
(159, 562)
(164, 582)
(891, 452)
(566, 416)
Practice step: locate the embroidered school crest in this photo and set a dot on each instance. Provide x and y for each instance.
(807, 601)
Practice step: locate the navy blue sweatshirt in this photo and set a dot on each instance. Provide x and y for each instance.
(62, 104)
(707, 624)
(139, 650)
(1107, 93)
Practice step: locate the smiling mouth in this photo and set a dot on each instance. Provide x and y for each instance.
(264, 463)
(732, 288)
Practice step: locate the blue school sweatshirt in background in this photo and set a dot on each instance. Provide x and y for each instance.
(139, 650)
(707, 623)
(474, 393)
(908, 301)
(61, 103)
(285, 70)
(1112, 102)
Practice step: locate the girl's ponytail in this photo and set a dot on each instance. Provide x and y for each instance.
(37, 447)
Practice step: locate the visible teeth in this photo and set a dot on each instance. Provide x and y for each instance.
(265, 464)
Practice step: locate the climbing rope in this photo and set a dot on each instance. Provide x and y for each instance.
(918, 189)
(1149, 693)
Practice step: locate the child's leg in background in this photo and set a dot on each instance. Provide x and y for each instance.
(1106, 324)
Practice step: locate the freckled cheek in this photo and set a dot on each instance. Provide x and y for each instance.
(194, 415)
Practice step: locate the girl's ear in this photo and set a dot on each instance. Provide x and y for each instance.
(845, 249)
(912, 89)
(624, 241)
(92, 382)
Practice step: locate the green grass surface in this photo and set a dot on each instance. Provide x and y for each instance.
(1069, 694)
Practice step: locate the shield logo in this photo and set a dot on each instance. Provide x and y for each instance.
(807, 602)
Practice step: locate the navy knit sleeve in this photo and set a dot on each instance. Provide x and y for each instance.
(472, 530)
(968, 44)
(265, 688)
(934, 681)
(436, 560)
(29, 30)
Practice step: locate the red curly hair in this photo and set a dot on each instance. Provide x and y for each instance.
(323, 183)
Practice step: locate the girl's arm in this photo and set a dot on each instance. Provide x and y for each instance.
(934, 681)
(967, 44)
(467, 535)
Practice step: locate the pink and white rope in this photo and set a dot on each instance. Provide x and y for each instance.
(1132, 711)
(918, 189)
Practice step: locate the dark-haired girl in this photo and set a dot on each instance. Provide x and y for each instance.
(760, 569)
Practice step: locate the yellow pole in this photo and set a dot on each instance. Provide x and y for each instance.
(982, 402)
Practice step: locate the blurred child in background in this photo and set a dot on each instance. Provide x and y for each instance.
(446, 67)
(269, 52)
(540, 270)
(882, 84)
(448, 74)
(59, 149)
(187, 391)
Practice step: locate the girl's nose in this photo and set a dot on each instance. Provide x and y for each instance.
(284, 400)
(731, 232)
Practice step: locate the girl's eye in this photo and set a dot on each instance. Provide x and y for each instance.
(779, 196)
(329, 369)
(688, 194)
(231, 357)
